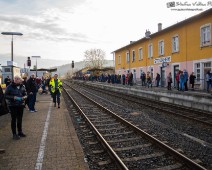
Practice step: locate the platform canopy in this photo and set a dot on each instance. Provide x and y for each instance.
(101, 69)
(44, 69)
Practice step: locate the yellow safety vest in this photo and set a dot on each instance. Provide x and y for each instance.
(52, 84)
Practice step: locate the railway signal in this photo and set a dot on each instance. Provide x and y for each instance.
(28, 62)
(72, 64)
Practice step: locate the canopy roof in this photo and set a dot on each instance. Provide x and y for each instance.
(101, 69)
(44, 69)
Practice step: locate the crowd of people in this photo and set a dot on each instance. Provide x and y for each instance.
(20, 93)
(182, 80)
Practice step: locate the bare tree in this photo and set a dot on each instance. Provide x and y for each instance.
(94, 58)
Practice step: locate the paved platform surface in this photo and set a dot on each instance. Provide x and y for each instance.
(197, 99)
(138, 86)
(51, 141)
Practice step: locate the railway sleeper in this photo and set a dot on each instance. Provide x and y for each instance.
(132, 147)
(148, 156)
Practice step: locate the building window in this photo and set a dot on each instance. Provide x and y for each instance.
(207, 65)
(7, 70)
(205, 35)
(150, 51)
(127, 57)
(140, 53)
(119, 59)
(197, 71)
(161, 47)
(133, 55)
(141, 71)
(175, 44)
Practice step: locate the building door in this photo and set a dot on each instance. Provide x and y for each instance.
(163, 78)
(152, 73)
(176, 69)
(134, 76)
(207, 67)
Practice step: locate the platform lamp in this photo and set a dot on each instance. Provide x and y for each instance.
(147, 36)
(128, 58)
(36, 63)
(12, 33)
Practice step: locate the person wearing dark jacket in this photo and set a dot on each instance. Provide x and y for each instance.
(169, 81)
(123, 79)
(130, 80)
(191, 80)
(3, 105)
(15, 94)
(7, 81)
(3, 110)
(32, 92)
(47, 84)
(24, 82)
(157, 79)
(143, 79)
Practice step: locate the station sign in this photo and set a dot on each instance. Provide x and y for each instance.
(162, 60)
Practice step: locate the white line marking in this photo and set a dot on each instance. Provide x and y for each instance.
(39, 161)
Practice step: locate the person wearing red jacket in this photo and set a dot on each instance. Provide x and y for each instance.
(177, 78)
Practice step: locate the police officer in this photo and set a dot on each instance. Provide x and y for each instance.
(56, 88)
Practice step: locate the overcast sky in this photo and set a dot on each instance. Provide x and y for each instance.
(64, 29)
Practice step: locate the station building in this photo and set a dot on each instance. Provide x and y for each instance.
(8, 69)
(186, 45)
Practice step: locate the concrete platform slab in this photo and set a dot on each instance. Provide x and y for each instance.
(51, 141)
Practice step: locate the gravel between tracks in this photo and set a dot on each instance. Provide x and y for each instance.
(194, 139)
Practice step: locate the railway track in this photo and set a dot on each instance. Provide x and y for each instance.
(129, 146)
(182, 111)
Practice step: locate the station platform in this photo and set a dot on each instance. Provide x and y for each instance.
(197, 99)
(51, 141)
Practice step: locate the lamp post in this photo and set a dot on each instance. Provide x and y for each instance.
(150, 53)
(151, 61)
(36, 63)
(12, 33)
(129, 58)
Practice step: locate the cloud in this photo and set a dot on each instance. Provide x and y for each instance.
(37, 6)
(69, 37)
(39, 28)
(31, 22)
(40, 19)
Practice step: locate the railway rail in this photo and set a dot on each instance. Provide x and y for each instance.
(185, 112)
(129, 146)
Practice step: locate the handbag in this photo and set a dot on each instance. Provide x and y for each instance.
(40, 90)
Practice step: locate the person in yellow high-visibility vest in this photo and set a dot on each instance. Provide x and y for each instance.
(56, 88)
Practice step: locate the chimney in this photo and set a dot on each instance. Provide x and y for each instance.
(159, 27)
(147, 34)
